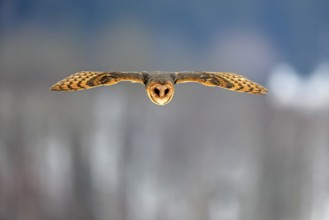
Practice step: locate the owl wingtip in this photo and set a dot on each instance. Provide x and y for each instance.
(54, 88)
(264, 92)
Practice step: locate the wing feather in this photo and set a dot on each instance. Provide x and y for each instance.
(89, 79)
(226, 80)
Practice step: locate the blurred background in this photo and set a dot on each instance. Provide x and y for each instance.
(211, 154)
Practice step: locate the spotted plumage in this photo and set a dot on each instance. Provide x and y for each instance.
(159, 85)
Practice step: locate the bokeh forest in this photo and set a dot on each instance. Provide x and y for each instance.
(210, 154)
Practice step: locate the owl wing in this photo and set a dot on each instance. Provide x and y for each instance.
(224, 80)
(88, 79)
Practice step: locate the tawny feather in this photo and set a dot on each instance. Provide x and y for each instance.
(89, 79)
(231, 81)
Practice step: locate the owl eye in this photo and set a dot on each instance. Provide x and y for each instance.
(157, 91)
(166, 91)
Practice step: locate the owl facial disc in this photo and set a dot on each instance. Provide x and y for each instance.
(160, 93)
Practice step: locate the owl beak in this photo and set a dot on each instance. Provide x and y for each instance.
(161, 94)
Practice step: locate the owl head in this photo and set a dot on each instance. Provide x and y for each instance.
(160, 92)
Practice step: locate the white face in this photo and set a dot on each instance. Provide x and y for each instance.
(160, 93)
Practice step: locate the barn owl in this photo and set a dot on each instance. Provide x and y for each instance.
(160, 86)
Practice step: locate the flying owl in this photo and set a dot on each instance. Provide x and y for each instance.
(160, 86)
